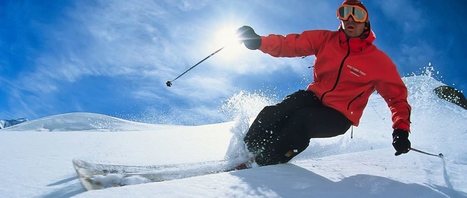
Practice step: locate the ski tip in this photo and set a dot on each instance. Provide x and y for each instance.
(85, 175)
(79, 163)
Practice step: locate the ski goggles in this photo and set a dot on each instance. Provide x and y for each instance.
(358, 13)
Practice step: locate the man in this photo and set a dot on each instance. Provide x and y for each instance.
(348, 69)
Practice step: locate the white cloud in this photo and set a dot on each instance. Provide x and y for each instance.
(146, 93)
(418, 55)
(187, 5)
(102, 39)
(148, 42)
(405, 13)
(204, 87)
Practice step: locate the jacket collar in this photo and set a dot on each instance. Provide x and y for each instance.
(356, 44)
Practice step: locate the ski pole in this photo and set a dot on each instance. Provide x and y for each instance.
(169, 82)
(440, 155)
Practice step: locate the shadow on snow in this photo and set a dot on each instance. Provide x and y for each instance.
(290, 180)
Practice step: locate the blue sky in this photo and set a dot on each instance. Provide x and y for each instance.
(114, 57)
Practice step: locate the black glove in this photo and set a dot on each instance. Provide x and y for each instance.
(400, 141)
(249, 38)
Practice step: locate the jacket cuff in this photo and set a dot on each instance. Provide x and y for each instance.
(401, 125)
(262, 46)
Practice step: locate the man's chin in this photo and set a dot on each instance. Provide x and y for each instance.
(351, 33)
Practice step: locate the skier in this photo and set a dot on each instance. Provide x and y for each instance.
(348, 69)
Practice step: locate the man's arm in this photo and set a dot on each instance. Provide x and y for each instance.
(394, 92)
(293, 45)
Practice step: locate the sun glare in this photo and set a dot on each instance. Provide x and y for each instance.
(227, 37)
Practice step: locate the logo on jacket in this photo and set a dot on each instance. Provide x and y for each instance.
(355, 71)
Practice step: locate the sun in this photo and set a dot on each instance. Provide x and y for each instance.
(226, 36)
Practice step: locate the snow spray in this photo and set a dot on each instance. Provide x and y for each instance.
(242, 108)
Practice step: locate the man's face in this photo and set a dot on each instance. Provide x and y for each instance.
(352, 28)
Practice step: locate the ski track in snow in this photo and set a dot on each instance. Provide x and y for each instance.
(36, 156)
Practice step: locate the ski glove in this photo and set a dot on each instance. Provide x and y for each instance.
(250, 39)
(400, 141)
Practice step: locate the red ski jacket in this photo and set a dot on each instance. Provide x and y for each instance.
(346, 72)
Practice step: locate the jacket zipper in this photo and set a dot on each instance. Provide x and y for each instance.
(355, 98)
(340, 71)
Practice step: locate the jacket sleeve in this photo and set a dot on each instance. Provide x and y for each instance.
(293, 45)
(393, 90)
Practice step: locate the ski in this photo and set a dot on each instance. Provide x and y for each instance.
(94, 176)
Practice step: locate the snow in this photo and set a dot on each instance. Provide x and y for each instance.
(36, 155)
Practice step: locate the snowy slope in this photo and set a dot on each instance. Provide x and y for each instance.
(36, 159)
(38, 164)
(80, 122)
(361, 174)
(9, 123)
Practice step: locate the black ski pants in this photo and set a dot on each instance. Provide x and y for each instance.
(282, 131)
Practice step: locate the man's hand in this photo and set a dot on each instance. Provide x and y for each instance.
(250, 39)
(400, 141)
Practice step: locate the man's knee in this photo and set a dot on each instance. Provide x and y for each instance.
(327, 123)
